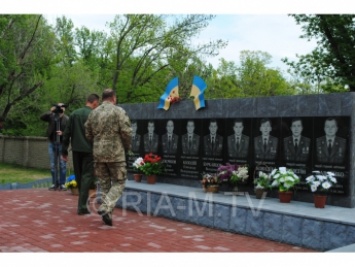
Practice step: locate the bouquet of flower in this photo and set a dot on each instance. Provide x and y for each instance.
(138, 164)
(71, 182)
(283, 179)
(239, 175)
(224, 172)
(263, 181)
(152, 164)
(209, 179)
(321, 181)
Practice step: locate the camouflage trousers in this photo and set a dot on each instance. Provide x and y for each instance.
(112, 178)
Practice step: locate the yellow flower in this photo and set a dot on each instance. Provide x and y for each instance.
(71, 184)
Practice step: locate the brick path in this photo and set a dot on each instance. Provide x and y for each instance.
(38, 220)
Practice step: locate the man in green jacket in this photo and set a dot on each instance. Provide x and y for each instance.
(74, 133)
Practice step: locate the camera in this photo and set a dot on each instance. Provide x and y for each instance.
(58, 108)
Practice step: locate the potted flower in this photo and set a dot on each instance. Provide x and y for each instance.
(210, 182)
(224, 172)
(152, 167)
(239, 175)
(320, 182)
(72, 185)
(284, 180)
(262, 184)
(137, 167)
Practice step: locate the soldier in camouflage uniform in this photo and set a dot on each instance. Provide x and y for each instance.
(109, 128)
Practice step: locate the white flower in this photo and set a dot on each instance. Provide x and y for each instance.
(289, 178)
(326, 185)
(310, 179)
(321, 177)
(333, 179)
(275, 183)
(314, 187)
(138, 163)
(283, 170)
(321, 181)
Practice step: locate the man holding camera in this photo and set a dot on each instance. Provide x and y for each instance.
(57, 121)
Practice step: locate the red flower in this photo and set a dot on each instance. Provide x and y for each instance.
(152, 158)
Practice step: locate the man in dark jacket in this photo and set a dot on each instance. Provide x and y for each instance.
(57, 121)
(83, 162)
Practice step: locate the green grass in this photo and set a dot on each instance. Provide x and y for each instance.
(11, 173)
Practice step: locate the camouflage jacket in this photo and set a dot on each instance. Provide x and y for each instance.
(109, 128)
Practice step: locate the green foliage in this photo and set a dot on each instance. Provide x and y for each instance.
(331, 62)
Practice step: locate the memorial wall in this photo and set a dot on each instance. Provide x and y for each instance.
(304, 133)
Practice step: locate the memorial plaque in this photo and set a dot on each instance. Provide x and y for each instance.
(332, 135)
(191, 146)
(213, 145)
(169, 131)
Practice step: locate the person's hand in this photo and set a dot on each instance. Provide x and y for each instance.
(65, 157)
(59, 132)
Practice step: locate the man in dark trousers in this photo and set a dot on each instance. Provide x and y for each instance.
(57, 122)
(81, 150)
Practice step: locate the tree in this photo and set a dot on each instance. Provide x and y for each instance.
(26, 49)
(331, 64)
(147, 45)
(256, 79)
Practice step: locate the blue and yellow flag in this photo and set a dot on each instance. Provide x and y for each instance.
(197, 91)
(171, 91)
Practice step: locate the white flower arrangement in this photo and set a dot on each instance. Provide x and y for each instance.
(263, 181)
(284, 179)
(321, 181)
(239, 175)
(138, 163)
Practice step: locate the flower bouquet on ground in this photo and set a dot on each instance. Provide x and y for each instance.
(210, 182)
(320, 182)
(152, 165)
(71, 182)
(72, 185)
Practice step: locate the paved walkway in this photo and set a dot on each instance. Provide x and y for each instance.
(39, 220)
